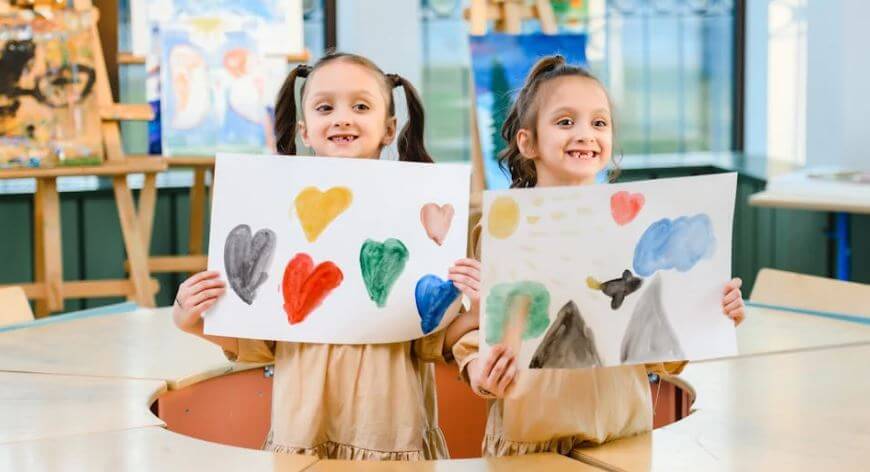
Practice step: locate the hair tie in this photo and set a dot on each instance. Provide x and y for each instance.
(395, 79)
(302, 70)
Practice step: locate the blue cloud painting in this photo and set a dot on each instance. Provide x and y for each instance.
(674, 244)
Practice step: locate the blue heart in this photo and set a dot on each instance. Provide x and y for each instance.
(433, 297)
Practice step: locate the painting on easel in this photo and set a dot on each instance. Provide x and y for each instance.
(48, 110)
(213, 91)
(500, 63)
(261, 32)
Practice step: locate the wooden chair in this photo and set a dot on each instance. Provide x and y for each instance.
(14, 307)
(808, 292)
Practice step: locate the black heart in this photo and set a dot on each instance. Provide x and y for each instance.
(246, 259)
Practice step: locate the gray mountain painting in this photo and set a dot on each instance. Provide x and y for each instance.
(649, 336)
(569, 343)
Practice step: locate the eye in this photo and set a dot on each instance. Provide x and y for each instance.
(599, 123)
(565, 122)
(323, 108)
(361, 107)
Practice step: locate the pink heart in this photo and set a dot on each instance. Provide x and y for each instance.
(625, 206)
(436, 221)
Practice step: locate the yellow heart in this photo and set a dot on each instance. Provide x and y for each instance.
(316, 209)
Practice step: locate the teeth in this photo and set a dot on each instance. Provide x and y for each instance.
(582, 154)
(342, 139)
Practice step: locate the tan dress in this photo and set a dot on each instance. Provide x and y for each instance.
(353, 401)
(556, 410)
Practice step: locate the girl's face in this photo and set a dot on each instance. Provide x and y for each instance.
(345, 112)
(573, 138)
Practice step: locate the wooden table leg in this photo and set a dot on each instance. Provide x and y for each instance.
(49, 261)
(197, 211)
(147, 204)
(137, 254)
(38, 253)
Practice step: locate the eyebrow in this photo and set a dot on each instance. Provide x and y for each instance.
(362, 92)
(563, 110)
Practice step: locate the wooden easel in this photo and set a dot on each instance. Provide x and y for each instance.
(508, 16)
(49, 290)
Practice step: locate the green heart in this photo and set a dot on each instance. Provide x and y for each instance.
(381, 265)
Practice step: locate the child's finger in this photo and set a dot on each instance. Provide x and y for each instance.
(201, 297)
(507, 378)
(739, 319)
(473, 263)
(733, 284)
(196, 278)
(206, 284)
(464, 280)
(498, 370)
(472, 294)
(204, 306)
(736, 304)
(730, 297)
(465, 271)
(494, 354)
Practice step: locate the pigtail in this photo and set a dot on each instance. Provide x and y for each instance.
(411, 143)
(285, 112)
(521, 170)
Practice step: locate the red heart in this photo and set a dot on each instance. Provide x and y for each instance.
(304, 286)
(625, 206)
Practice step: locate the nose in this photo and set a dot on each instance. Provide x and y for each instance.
(583, 134)
(341, 120)
(584, 138)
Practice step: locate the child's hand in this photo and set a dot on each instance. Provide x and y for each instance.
(732, 301)
(196, 295)
(465, 275)
(491, 378)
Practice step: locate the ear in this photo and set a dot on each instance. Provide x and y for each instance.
(390, 133)
(526, 144)
(303, 132)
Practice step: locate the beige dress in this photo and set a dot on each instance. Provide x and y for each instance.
(353, 401)
(556, 410)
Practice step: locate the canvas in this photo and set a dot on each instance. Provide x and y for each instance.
(603, 275)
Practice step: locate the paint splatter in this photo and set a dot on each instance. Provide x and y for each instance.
(625, 206)
(677, 244)
(246, 259)
(316, 209)
(504, 217)
(433, 296)
(436, 221)
(649, 335)
(498, 309)
(568, 344)
(616, 289)
(533, 219)
(305, 287)
(381, 265)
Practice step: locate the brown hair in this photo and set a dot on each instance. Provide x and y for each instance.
(410, 143)
(524, 114)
